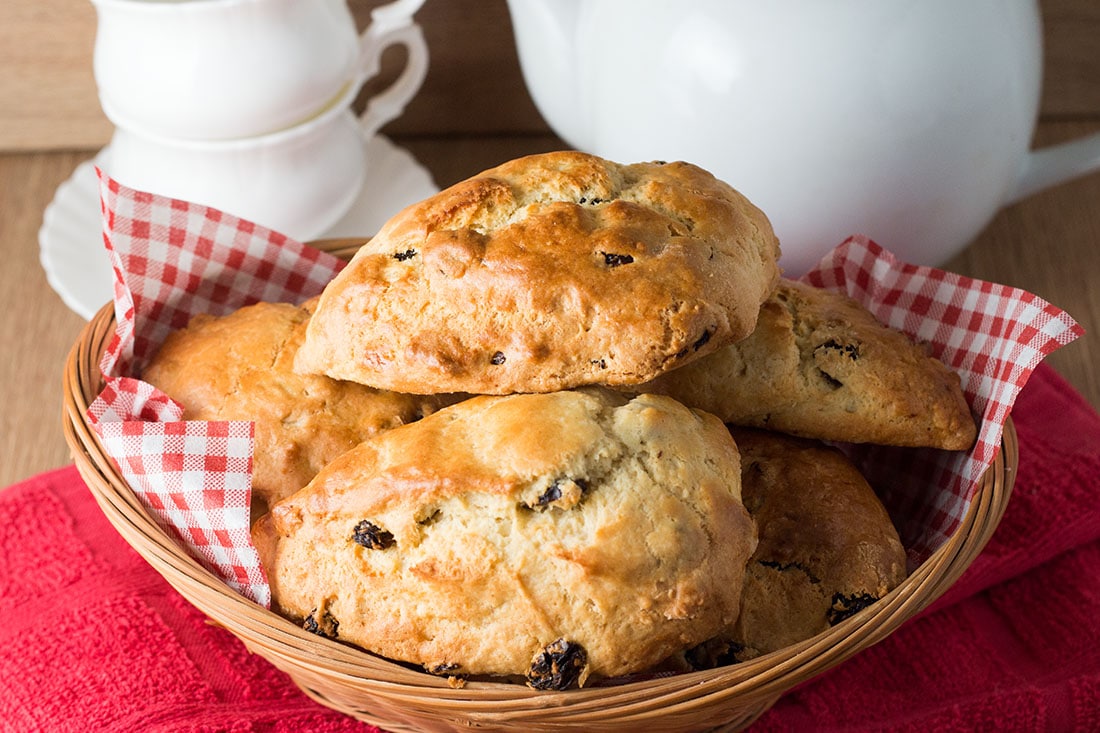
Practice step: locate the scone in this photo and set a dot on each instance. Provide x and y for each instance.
(827, 547)
(819, 365)
(546, 273)
(240, 367)
(553, 536)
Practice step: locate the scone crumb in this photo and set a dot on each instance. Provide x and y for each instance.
(371, 536)
(322, 623)
(846, 606)
(559, 666)
(612, 259)
(563, 493)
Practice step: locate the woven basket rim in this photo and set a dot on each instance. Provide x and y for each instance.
(395, 697)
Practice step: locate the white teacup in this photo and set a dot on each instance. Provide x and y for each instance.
(224, 69)
(298, 181)
(906, 120)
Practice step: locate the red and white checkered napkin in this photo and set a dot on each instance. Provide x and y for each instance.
(993, 336)
(171, 260)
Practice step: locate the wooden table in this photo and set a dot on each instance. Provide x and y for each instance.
(1049, 244)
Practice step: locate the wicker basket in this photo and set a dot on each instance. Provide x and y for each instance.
(398, 698)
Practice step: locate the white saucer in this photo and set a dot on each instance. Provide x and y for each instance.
(71, 238)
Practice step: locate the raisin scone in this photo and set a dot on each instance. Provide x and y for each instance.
(240, 367)
(552, 536)
(827, 547)
(820, 365)
(548, 272)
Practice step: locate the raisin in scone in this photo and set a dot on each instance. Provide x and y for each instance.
(554, 536)
(548, 272)
(827, 547)
(240, 367)
(819, 365)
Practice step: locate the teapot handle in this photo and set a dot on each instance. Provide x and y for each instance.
(392, 24)
(1056, 164)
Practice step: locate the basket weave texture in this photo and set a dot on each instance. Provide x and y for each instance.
(397, 698)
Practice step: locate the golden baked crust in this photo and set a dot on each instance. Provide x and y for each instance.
(827, 547)
(473, 540)
(240, 367)
(545, 273)
(819, 365)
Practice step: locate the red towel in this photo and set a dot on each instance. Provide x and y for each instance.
(94, 640)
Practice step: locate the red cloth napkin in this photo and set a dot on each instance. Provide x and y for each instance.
(94, 640)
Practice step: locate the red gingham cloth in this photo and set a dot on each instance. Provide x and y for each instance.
(173, 259)
(993, 336)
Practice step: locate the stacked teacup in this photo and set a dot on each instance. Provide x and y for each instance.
(245, 105)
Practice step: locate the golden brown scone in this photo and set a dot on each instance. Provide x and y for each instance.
(240, 367)
(548, 272)
(827, 547)
(554, 536)
(819, 365)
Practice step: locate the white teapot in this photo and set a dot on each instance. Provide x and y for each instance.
(909, 121)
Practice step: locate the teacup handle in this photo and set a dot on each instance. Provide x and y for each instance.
(1056, 164)
(392, 24)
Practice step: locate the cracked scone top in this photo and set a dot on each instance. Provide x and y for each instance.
(820, 365)
(552, 536)
(548, 272)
